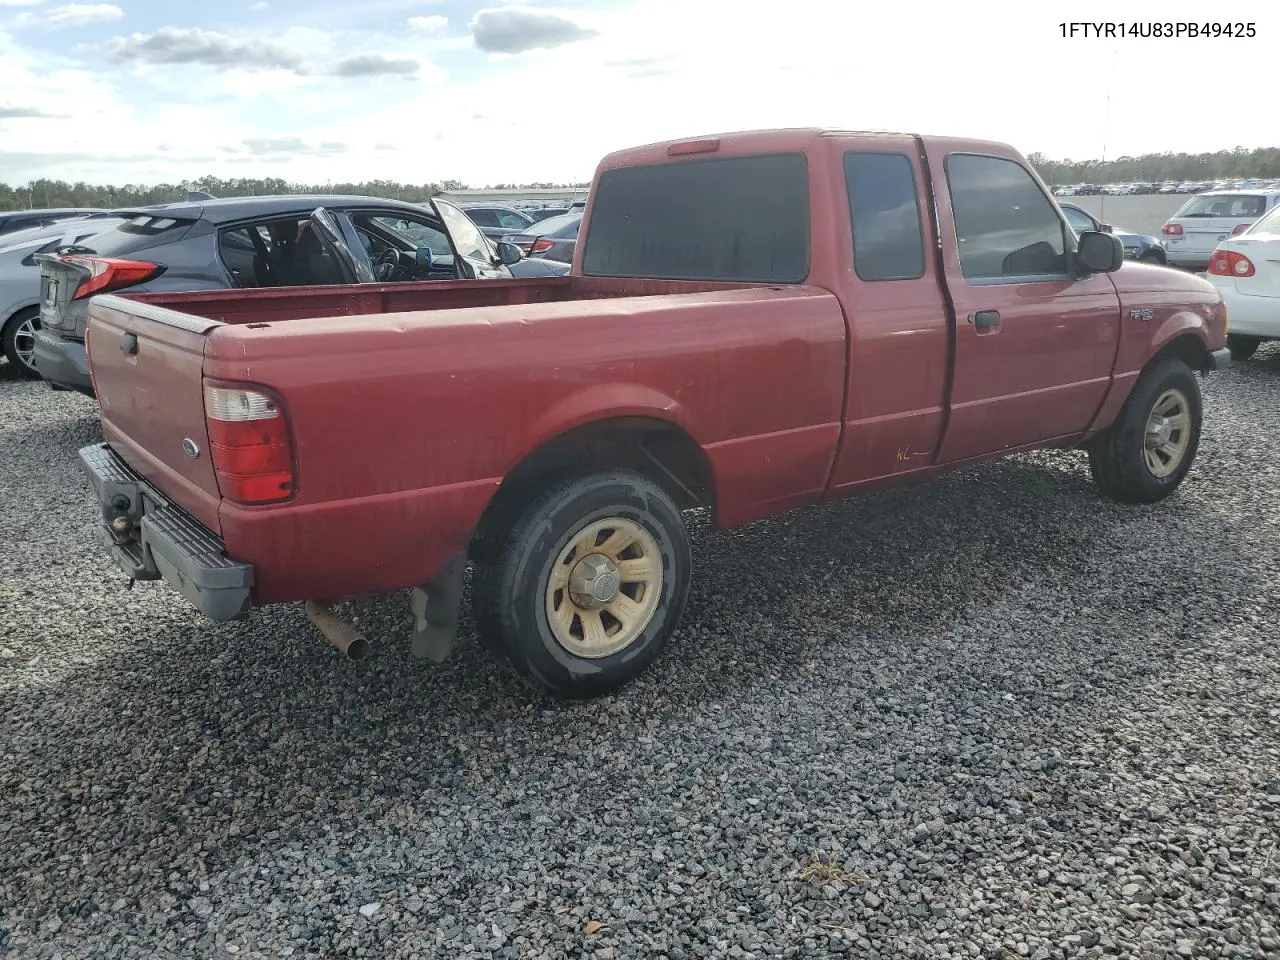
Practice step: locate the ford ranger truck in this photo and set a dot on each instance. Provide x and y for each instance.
(754, 322)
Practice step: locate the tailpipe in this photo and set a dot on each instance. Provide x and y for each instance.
(337, 631)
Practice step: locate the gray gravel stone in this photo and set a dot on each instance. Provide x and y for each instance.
(994, 716)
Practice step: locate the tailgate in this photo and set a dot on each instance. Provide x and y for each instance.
(148, 367)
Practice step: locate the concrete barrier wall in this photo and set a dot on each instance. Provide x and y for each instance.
(1145, 213)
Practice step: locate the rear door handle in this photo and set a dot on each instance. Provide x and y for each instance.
(985, 319)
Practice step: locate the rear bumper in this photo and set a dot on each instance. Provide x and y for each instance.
(63, 363)
(163, 542)
(1253, 316)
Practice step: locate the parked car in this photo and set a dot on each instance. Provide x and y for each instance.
(11, 221)
(1137, 246)
(712, 348)
(1207, 219)
(553, 239)
(1246, 270)
(258, 242)
(545, 213)
(20, 282)
(495, 222)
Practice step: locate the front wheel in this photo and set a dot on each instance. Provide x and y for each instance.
(1143, 456)
(19, 342)
(587, 585)
(1242, 347)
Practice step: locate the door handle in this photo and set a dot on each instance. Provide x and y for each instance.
(985, 319)
(129, 344)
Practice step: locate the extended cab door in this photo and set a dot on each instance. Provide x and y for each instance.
(1034, 344)
(887, 280)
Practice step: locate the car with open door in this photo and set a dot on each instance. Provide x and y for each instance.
(254, 242)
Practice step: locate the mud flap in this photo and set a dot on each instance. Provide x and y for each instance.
(436, 606)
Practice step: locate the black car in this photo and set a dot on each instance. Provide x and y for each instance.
(259, 242)
(1137, 246)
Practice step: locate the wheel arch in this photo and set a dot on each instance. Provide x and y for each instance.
(655, 446)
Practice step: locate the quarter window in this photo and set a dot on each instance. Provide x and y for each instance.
(888, 243)
(1005, 225)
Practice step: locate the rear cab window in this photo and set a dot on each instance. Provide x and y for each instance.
(741, 219)
(1007, 228)
(888, 240)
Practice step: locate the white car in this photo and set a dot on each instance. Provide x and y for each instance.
(1208, 219)
(1246, 270)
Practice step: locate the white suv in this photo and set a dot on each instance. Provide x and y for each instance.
(1207, 219)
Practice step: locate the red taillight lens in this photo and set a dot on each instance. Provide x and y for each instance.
(541, 245)
(1172, 229)
(249, 444)
(106, 273)
(1228, 263)
(1240, 228)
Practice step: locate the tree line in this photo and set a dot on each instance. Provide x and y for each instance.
(1263, 162)
(46, 193)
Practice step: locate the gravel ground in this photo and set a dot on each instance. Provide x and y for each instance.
(994, 716)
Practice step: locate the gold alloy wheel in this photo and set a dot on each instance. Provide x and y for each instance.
(604, 587)
(1168, 433)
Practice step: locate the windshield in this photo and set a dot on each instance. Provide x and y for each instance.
(1233, 205)
(1268, 224)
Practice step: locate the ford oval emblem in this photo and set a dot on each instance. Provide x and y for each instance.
(190, 447)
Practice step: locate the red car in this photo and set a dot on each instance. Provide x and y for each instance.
(753, 322)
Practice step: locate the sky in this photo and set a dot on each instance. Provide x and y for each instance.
(483, 91)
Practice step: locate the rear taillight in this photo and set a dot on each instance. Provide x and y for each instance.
(107, 273)
(541, 245)
(249, 445)
(1240, 228)
(1228, 263)
(1172, 229)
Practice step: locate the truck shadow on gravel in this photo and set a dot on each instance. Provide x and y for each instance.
(190, 748)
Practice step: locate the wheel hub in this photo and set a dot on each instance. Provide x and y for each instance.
(594, 582)
(1159, 431)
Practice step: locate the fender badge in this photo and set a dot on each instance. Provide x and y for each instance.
(190, 448)
(1141, 314)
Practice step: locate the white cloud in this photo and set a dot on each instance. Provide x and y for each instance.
(430, 24)
(260, 5)
(70, 15)
(515, 29)
(20, 3)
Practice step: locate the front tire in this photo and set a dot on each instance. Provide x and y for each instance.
(1144, 455)
(586, 586)
(19, 342)
(1242, 346)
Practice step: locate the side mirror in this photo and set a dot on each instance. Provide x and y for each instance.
(422, 256)
(508, 253)
(1099, 252)
(1106, 228)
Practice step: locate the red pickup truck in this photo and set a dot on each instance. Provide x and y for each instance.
(753, 322)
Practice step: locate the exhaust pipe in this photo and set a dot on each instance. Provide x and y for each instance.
(337, 631)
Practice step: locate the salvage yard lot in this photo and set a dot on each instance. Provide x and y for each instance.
(993, 716)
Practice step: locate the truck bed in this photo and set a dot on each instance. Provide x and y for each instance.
(404, 422)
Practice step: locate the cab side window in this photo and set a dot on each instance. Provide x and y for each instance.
(888, 242)
(1006, 227)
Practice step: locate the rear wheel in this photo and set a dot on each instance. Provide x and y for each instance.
(586, 586)
(1152, 257)
(1143, 456)
(1242, 347)
(19, 341)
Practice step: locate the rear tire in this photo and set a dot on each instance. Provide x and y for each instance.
(584, 589)
(1242, 346)
(1143, 456)
(18, 341)
(1153, 258)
